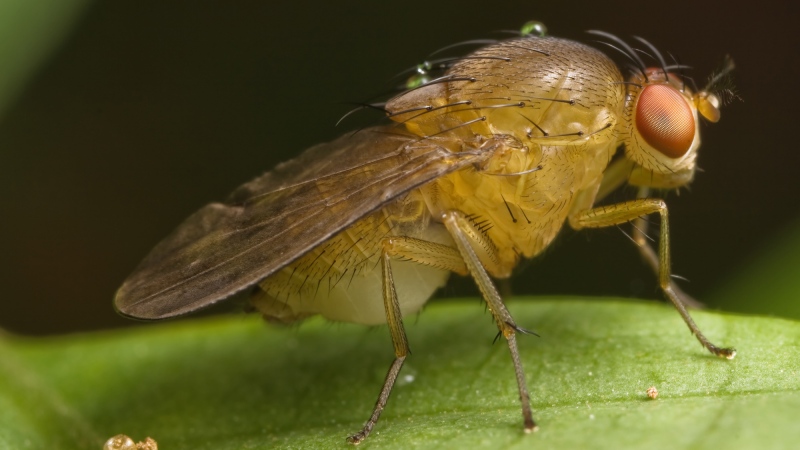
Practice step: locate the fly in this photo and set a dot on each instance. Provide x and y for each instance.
(481, 167)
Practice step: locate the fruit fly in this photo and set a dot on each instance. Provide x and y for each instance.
(479, 169)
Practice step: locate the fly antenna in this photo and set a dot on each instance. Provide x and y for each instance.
(727, 67)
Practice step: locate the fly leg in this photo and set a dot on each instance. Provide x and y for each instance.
(400, 342)
(422, 252)
(640, 226)
(463, 261)
(465, 235)
(606, 216)
(615, 176)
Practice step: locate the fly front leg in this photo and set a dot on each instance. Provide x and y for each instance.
(611, 215)
(421, 252)
(615, 176)
(649, 255)
(466, 235)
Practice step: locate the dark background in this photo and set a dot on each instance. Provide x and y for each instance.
(151, 109)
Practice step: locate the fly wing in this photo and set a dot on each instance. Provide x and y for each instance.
(276, 218)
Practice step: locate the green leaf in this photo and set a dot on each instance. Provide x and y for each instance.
(769, 282)
(233, 382)
(29, 32)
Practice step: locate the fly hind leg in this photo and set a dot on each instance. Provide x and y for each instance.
(421, 252)
(610, 215)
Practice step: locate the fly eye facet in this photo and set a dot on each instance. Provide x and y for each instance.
(665, 120)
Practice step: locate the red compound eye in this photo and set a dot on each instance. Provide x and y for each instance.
(665, 120)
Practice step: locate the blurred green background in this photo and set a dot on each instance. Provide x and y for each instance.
(120, 118)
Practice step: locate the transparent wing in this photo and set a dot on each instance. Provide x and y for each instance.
(276, 218)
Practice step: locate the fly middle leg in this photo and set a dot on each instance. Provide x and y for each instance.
(462, 260)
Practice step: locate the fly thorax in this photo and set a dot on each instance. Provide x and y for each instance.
(542, 87)
(429, 111)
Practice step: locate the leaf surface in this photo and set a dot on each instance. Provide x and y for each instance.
(233, 382)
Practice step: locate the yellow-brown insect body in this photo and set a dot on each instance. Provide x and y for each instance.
(570, 98)
(554, 102)
(482, 167)
(341, 279)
